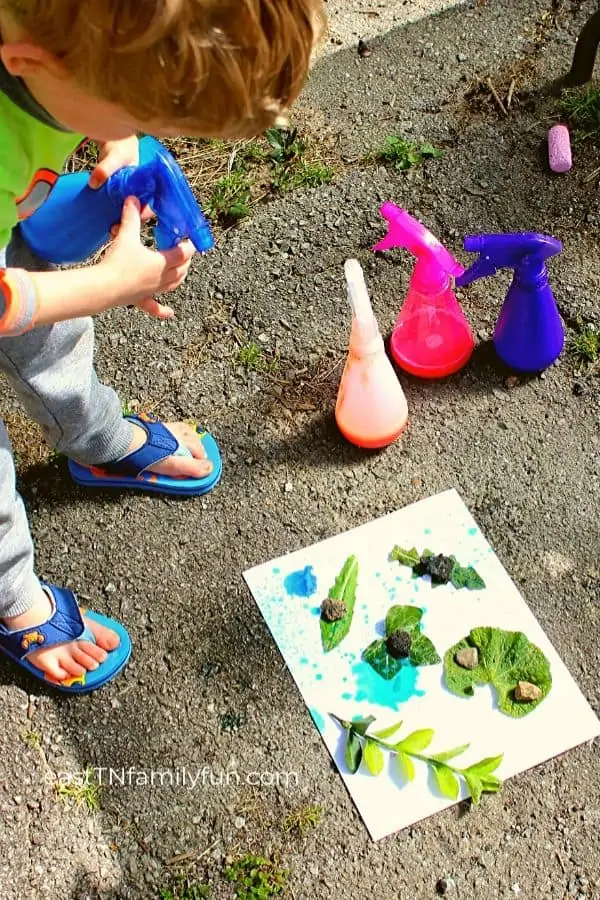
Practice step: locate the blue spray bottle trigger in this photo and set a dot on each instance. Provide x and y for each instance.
(178, 213)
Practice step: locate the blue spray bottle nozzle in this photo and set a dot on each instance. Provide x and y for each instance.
(529, 335)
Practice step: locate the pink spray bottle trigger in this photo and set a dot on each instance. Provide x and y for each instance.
(431, 337)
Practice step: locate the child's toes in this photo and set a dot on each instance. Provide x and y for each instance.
(87, 655)
(70, 665)
(106, 640)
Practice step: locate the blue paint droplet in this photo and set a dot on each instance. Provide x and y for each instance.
(276, 571)
(416, 586)
(315, 665)
(319, 676)
(427, 531)
(372, 687)
(363, 606)
(315, 610)
(318, 718)
(472, 531)
(303, 660)
(398, 578)
(302, 583)
(377, 574)
(344, 679)
(346, 695)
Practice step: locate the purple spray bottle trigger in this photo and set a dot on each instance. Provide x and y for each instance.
(529, 334)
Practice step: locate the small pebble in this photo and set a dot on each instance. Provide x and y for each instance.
(364, 50)
(525, 691)
(239, 822)
(110, 588)
(468, 658)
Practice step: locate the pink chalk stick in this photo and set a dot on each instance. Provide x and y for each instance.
(559, 149)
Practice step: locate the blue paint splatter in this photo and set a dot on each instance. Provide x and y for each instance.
(319, 676)
(318, 719)
(473, 531)
(427, 531)
(315, 610)
(373, 688)
(276, 571)
(346, 695)
(304, 661)
(302, 583)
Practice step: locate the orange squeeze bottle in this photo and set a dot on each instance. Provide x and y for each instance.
(371, 409)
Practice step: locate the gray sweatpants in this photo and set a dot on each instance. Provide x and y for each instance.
(51, 370)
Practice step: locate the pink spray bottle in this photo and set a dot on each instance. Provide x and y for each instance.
(431, 337)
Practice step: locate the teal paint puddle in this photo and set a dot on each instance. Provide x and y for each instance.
(318, 718)
(302, 583)
(372, 688)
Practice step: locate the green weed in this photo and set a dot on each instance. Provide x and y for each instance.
(83, 790)
(301, 174)
(256, 878)
(402, 154)
(582, 110)
(585, 345)
(251, 356)
(230, 199)
(285, 145)
(183, 888)
(303, 819)
(32, 739)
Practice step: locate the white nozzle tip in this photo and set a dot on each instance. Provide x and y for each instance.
(357, 290)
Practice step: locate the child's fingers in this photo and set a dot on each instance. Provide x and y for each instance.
(178, 255)
(156, 309)
(147, 214)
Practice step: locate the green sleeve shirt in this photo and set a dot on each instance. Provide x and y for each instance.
(33, 152)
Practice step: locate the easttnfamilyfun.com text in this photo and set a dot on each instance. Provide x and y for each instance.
(191, 779)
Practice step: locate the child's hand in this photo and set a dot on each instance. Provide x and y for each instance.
(138, 272)
(114, 155)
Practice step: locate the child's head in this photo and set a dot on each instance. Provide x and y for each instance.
(212, 68)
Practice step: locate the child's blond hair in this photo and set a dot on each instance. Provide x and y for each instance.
(214, 68)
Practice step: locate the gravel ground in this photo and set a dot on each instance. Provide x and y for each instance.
(206, 685)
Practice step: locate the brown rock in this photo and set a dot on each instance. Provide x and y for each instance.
(468, 658)
(333, 610)
(527, 692)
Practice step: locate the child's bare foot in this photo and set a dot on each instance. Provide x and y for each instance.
(68, 660)
(194, 466)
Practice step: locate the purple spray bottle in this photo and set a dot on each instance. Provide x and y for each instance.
(529, 334)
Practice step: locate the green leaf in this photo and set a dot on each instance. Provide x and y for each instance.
(485, 766)
(416, 741)
(361, 725)
(405, 557)
(333, 633)
(423, 653)
(374, 758)
(379, 659)
(505, 658)
(445, 755)
(447, 782)
(353, 752)
(407, 766)
(474, 785)
(491, 784)
(406, 618)
(430, 152)
(466, 578)
(387, 732)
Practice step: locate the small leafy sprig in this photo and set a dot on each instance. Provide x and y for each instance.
(460, 576)
(368, 747)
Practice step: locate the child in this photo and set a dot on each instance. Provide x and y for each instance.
(106, 70)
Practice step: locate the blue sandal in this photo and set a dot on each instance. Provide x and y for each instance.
(66, 624)
(131, 471)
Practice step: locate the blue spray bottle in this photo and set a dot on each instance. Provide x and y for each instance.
(529, 334)
(75, 221)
